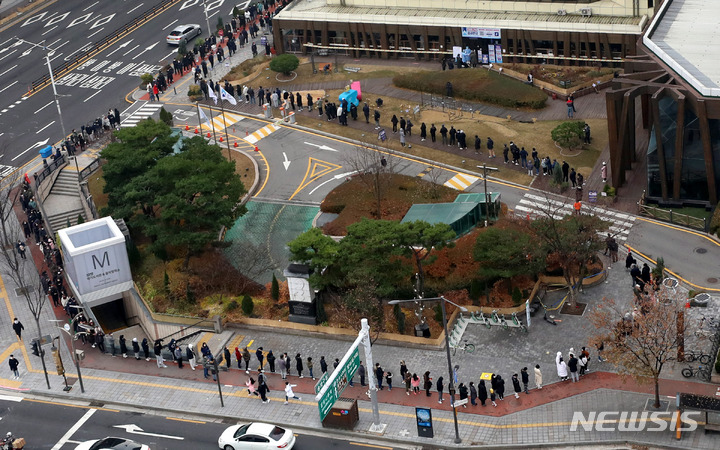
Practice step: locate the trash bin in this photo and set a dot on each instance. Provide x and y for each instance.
(46, 151)
(343, 414)
(422, 330)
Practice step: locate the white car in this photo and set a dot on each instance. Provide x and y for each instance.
(112, 443)
(182, 34)
(256, 436)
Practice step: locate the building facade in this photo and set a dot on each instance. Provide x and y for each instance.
(540, 31)
(665, 108)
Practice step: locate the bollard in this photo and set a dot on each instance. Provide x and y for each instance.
(187, 127)
(221, 138)
(268, 111)
(235, 145)
(291, 117)
(196, 130)
(256, 148)
(208, 135)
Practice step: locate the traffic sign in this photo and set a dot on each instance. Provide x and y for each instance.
(321, 382)
(592, 196)
(459, 403)
(340, 378)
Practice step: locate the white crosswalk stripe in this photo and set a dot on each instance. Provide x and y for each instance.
(538, 206)
(6, 170)
(145, 111)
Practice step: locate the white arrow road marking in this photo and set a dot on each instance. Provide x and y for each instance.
(336, 177)
(149, 47)
(130, 51)
(120, 46)
(73, 429)
(37, 144)
(322, 147)
(134, 429)
(286, 163)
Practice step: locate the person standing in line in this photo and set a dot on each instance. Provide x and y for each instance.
(440, 385)
(190, 353)
(145, 344)
(299, 365)
(179, 357)
(260, 358)
(14, 363)
(492, 397)
(433, 130)
(238, 357)
(402, 137)
(287, 362)
(427, 383)
(366, 112)
(584, 361)
(310, 367)
(463, 390)
(226, 355)
(562, 369)
(394, 121)
(123, 346)
(443, 134)
(18, 327)
(490, 146)
(423, 132)
(516, 385)
(157, 349)
(500, 388)
(289, 392)
(379, 372)
(388, 379)
(600, 348)
(323, 365)
(246, 359)
(408, 383)
(376, 117)
(538, 376)
(525, 379)
(283, 368)
(482, 392)
(415, 383)
(271, 361)
(473, 394)
(361, 372)
(573, 367)
(136, 348)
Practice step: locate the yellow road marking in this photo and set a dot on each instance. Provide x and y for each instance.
(236, 341)
(679, 229)
(185, 420)
(14, 384)
(671, 272)
(250, 344)
(370, 445)
(6, 354)
(316, 169)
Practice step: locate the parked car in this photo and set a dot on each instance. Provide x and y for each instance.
(111, 443)
(182, 34)
(256, 435)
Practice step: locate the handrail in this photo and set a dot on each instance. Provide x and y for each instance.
(57, 162)
(673, 217)
(92, 167)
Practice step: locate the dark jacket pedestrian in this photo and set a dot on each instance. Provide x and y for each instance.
(226, 355)
(136, 348)
(379, 372)
(299, 365)
(361, 372)
(500, 388)
(427, 383)
(516, 385)
(123, 346)
(146, 349)
(394, 122)
(260, 358)
(482, 392)
(323, 364)
(271, 361)
(473, 394)
(432, 132)
(403, 369)
(440, 386)
(525, 379)
(246, 359)
(463, 390)
(13, 363)
(18, 327)
(178, 355)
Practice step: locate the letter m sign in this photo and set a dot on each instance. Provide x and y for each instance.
(100, 262)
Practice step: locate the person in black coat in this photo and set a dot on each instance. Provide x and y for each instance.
(525, 379)
(463, 393)
(394, 121)
(500, 388)
(260, 358)
(271, 361)
(366, 112)
(123, 346)
(18, 327)
(323, 364)
(379, 372)
(299, 365)
(482, 392)
(136, 348)
(146, 349)
(516, 385)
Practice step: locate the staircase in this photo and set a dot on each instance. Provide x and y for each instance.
(64, 202)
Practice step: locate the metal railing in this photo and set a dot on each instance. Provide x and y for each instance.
(673, 217)
(50, 168)
(92, 167)
(88, 200)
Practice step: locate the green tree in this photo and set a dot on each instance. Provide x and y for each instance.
(418, 239)
(247, 305)
(516, 296)
(568, 134)
(400, 317)
(505, 253)
(275, 289)
(321, 254)
(285, 63)
(220, 24)
(166, 116)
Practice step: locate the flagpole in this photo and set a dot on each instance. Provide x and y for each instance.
(197, 106)
(212, 124)
(227, 139)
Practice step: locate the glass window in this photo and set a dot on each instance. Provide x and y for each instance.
(693, 179)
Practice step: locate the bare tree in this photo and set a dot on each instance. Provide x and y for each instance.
(22, 272)
(373, 165)
(639, 341)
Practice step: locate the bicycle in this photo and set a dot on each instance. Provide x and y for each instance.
(691, 356)
(517, 322)
(465, 346)
(499, 319)
(481, 318)
(690, 372)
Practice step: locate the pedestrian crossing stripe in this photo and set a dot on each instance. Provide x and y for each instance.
(222, 121)
(546, 207)
(461, 181)
(142, 113)
(262, 133)
(6, 170)
(425, 172)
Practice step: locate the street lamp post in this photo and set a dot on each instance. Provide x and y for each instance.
(451, 384)
(207, 19)
(52, 79)
(73, 337)
(487, 198)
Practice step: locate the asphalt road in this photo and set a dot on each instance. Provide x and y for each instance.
(70, 27)
(49, 425)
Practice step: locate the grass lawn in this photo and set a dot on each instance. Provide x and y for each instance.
(554, 74)
(475, 85)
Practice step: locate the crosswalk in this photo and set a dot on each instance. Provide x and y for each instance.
(6, 170)
(262, 133)
(461, 181)
(145, 111)
(222, 121)
(538, 206)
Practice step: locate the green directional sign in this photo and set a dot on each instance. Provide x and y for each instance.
(321, 382)
(344, 375)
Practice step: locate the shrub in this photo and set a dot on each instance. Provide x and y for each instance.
(557, 179)
(189, 294)
(166, 283)
(220, 24)
(247, 305)
(134, 256)
(609, 190)
(146, 78)
(284, 63)
(232, 306)
(166, 116)
(568, 134)
(195, 93)
(80, 219)
(484, 86)
(715, 221)
(717, 364)
(275, 289)
(438, 313)
(657, 272)
(236, 11)
(320, 309)
(516, 296)
(475, 290)
(182, 49)
(400, 317)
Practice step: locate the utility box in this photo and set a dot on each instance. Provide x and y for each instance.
(344, 414)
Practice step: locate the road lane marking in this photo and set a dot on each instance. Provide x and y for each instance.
(1, 74)
(43, 128)
(168, 25)
(316, 169)
(96, 32)
(370, 445)
(185, 420)
(461, 181)
(131, 50)
(262, 133)
(11, 398)
(135, 8)
(96, 93)
(90, 6)
(8, 55)
(48, 104)
(74, 428)
(43, 34)
(9, 86)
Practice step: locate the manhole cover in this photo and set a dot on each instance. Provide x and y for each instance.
(21, 291)
(701, 250)
(712, 280)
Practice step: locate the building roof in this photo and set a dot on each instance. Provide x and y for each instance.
(320, 11)
(433, 213)
(684, 35)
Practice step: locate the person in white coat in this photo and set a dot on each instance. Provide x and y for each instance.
(562, 369)
(538, 376)
(289, 392)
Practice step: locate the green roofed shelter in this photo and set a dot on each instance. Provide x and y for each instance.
(462, 215)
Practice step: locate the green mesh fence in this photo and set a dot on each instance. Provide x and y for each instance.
(259, 238)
